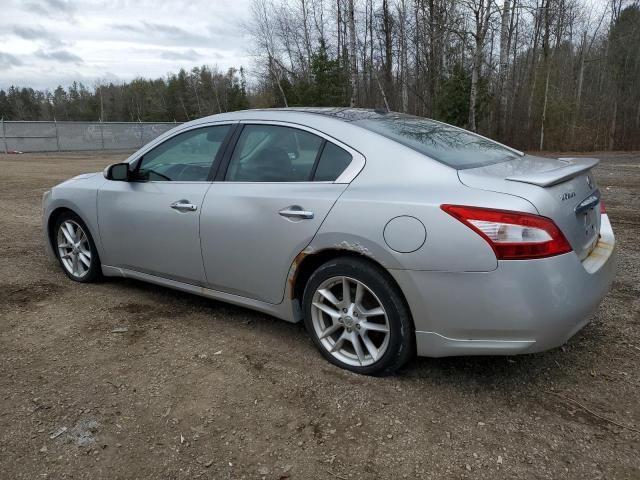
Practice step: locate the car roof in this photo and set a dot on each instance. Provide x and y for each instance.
(344, 114)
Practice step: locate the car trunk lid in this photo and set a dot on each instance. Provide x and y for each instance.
(562, 189)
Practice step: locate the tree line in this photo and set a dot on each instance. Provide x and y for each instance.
(535, 74)
(179, 97)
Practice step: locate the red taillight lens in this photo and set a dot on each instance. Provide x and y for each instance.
(603, 209)
(513, 235)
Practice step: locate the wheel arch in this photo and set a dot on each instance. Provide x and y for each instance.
(51, 222)
(306, 263)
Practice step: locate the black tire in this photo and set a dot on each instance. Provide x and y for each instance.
(401, 342)
(94, 271)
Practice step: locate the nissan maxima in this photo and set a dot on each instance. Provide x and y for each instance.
(388, 235)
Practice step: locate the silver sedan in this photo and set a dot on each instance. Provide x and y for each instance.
(387, 234)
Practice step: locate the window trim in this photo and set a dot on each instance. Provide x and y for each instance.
(135, 163)
(347, 176)
(316, 162)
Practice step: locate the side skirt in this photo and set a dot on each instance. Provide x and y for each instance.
(282, 311)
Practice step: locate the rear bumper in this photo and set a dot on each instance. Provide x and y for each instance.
(521, 307)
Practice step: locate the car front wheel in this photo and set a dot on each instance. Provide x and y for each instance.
(75, 249)
(357, 317)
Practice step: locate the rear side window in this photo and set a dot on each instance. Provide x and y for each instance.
(274, 153)
(332, 163)
(270, 153)
(452, 146)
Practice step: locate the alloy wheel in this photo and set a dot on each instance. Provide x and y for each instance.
(74, 248)
(350, 321)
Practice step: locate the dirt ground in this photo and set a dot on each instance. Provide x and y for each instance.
(200, 389)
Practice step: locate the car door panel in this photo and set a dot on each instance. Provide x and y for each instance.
(140, 229)
(151, 224)
(247, 245)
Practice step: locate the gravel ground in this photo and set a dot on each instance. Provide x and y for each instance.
(200, 389)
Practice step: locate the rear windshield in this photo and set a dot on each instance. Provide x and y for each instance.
(452, 146)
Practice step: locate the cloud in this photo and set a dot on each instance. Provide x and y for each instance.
(154, 32)
(61, 5)
(7, 60)
(31, 33)
(190, 54)
(36, 33)
(56, 41)
(62, 56)
(127, 27)
(51, 8)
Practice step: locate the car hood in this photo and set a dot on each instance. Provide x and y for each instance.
(84, 175)
(77, 178)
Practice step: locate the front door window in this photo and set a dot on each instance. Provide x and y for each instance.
(187, 157)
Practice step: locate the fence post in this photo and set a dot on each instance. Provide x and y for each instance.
(102, 132)
(4, 136)
(141, 133)
(55, 122)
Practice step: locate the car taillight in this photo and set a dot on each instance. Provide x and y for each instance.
(513, 235)
(603, 209)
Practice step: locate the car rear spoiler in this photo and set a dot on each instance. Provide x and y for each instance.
(573, 167)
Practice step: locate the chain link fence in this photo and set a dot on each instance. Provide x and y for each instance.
(24, 136)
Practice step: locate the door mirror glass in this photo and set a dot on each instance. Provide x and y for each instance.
(118, 172)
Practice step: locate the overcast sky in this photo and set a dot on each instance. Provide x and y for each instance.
(44, 43)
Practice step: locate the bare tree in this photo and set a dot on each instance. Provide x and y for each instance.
(482, 11)
(263, 32)
(583, 52)
(404, 62)
(506, 25)
(560, 13)
(387, 25)
(353, 55)
(548, 66)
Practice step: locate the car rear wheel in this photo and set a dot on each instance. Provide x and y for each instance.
(357, 317)
(75, 249)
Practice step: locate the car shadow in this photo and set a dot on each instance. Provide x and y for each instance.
(516, 372)
(151, 299)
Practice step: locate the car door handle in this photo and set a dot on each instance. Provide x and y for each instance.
(184, 206)
(296, 212)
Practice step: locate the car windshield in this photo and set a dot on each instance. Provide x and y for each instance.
(450, 145)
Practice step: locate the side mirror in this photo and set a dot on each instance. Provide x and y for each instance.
(118, 172)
